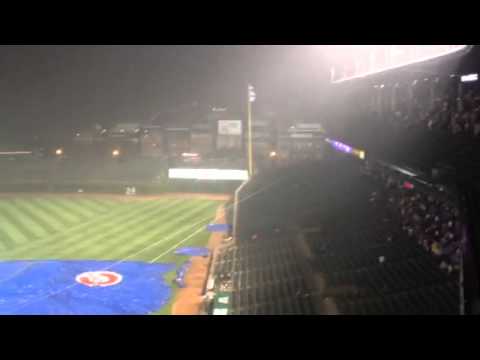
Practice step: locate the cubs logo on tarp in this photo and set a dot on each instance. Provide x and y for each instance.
(99, 278)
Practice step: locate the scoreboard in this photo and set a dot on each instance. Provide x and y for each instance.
(354, 61)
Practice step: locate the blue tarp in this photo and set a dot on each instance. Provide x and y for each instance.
(49, 288)
(192, 251)
(221, 228)
(181, 272)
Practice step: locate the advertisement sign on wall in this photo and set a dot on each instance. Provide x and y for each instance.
(230, 127)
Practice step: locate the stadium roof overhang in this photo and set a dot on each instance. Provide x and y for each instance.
(356, 65)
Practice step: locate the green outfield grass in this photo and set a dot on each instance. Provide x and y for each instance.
(75, 227)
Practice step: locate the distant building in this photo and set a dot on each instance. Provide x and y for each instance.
(302, 142)
(228, 130)
(101, 142)
(152, 141)
(177, 141)
(87, 143)
(85, 137)
(263, 138)
(126, 138)
(124, 130)
(202, 139)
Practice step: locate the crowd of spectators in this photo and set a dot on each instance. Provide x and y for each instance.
(428, 215)
(447, 114)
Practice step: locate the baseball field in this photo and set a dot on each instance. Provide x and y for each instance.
(96, 254)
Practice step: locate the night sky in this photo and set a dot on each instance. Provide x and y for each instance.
(57, 88)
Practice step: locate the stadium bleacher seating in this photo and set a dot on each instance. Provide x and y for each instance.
(370, 264)
(267, 278)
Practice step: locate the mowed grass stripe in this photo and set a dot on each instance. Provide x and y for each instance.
(49, 224)
(168, 242)
(51, 215)
(195, 220)
(161, 245)
(64, 213)
(90, 232)
(74, 233)
(129, 240)
(81, 241)
(54, 214)
(78, 230)
(11, 231)
(5, 239)
(121, 212)
(94, 207)
(105, 204)
(26, 226)
(167, 254)
(126, 251)
(117, 225)
(81, 207)
(156, 240)
(120, 232)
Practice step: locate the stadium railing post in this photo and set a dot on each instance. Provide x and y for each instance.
(235, 209)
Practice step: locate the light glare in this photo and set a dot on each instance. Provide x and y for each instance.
(469, 78)
(208, 174)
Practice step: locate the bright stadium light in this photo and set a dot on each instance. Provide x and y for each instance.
(348, 62)
(469, 78)
(190, 155)
(273, 154)
(15, 152)
(251, 93)
(116, 153)
(208, 174)
(404, 171)
(59, 152)
(337, 145)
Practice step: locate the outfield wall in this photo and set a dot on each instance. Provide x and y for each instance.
(148, 176)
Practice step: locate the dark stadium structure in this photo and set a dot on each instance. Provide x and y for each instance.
(342, 252)
(391, 234)
(367, 205)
